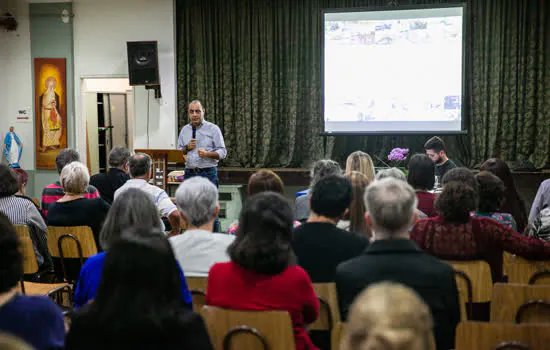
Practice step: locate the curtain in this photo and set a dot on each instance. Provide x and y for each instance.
(256, 66)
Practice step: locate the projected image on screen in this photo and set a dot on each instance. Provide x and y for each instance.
(393, 71)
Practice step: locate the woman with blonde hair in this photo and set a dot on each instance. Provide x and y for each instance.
(361, 162)
(388, 316)
(355, 219)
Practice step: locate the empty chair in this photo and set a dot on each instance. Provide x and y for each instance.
(489, 336)
(520, 303)
(525, 271)
(250, 330)
(473, 279)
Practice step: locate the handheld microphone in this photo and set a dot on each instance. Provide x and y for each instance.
(194, 132)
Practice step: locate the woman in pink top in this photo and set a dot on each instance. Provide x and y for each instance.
(262, 274)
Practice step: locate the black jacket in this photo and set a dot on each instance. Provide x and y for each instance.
(107, 183)
(401, 261)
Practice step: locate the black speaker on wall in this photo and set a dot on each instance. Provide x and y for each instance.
(143, 65)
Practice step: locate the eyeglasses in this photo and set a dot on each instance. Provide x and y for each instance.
(194, 111)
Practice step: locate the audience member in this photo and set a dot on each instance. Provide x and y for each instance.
(131, 208)
(22, 178)
(53, 192)
(391, 207)
(198, 248)
(491, 196)
(455, 235)
(140, 173)
(261, 181)
(319, 245)
(36, 320)
(262, 257)
(435, 149)
(421, 177)
(73, 209)
(322, 168)
(361, 162)
(107, 183)
(462, 175)
(513, 203)
(138, 303)
(388, 316)
(21, 211)
(391, 172)
(354, 220)
(542, 201)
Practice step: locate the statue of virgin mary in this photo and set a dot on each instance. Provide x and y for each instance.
(13, 147)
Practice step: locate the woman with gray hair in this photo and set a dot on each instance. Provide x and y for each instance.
(132, 208)
(73, 209)
(198, 248)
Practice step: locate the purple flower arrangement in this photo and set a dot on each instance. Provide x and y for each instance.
(398, 154)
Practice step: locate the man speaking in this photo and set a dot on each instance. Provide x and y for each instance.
(203, 144)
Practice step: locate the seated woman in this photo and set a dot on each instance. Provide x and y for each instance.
(513, 203)
(456, 235)
(421, 177)
(21, 211)
(491, 196)
(73, 209)
(36, 320)
(361, 162)
(261, 181)
(354, 221)
(131, 208)
(138, 303)
(389, 316)
(261, 256)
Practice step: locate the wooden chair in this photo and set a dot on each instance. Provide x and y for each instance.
(22, 231)
(473, 279)
(502, 336)
(528, 272)
(337, 335)
(463, 300)
(197, 288)
(251, 330)
(30, 266)
(75, 242)
(520, 303)
(329, 314)
(36, 201)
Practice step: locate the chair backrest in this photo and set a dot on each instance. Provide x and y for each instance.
(251, 330)
(337, 335)
(36, 202)
(22, 231)
(528, 272)
(69, 239)
(463, 300)
(197, 288)
(473, 278)
(499, 336)
(26, 247)
(329, 314)
(520, 303)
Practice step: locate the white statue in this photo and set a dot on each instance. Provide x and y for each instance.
(13, 147)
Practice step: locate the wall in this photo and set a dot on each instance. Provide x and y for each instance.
(101, 30)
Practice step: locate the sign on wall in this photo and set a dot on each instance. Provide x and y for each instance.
(50, 96)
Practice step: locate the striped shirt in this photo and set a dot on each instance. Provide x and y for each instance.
(21, 211)
(53, 192)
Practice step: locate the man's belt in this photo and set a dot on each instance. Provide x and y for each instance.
(198, 170)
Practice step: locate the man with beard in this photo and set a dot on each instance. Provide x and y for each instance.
(435, 149)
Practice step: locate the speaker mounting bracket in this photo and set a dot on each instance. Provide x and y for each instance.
(156, 88)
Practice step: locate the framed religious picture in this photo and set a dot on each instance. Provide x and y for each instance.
(50, 100)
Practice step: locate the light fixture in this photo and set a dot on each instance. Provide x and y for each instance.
(65, 16)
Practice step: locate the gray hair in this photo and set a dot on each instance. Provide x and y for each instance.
(132, 207)
(196, 101)
(140, 164)
(323, 168)
(74, 178)
(197, 200)
(64, 157)
(392, 173)
(119, 156)
(391, 204)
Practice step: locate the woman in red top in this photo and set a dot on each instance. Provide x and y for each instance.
(262, 274)
(421, 177)
(455, 235)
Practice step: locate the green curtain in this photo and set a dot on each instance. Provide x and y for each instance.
(256, 65)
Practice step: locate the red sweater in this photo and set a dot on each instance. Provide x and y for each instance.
(232, 287)
(426, 203)
(480, 238)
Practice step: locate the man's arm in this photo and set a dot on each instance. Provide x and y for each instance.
(219, 151)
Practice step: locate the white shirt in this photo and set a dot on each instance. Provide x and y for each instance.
(197, 250)
(158, 195)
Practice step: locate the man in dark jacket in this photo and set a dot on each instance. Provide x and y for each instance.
(107, 183)
(391, 205)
